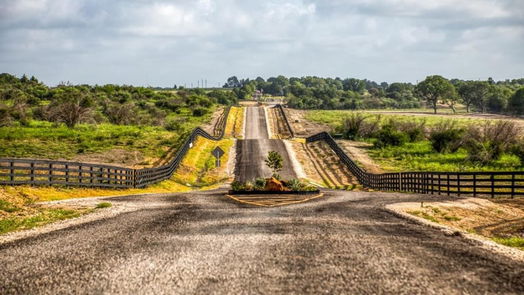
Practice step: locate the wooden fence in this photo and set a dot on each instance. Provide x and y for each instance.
(281, 109)
(48, 172)
(447, 183)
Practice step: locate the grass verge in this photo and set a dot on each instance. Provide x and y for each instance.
(500, 220)
(235, 122)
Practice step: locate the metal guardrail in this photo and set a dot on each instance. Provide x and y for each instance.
(281, 108)
(447, 183)
(49, 172)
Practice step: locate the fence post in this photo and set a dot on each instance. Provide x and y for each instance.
(67, 173)
(11, 171)
(50, 172)
(492, 185)
(134, 178)
(32, 171)
(458, 183)
(512, 185)
(474, 185)
(80, 173)
(448, 183)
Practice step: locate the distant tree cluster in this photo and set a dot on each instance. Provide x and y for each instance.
(351, 93)
(24, 99)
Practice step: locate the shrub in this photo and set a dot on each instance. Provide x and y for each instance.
(388, 136)
(415, 131)
(199, 112)
(237, 186)
(260, 184)
(352, 125)
(174, 125)
(489, 141)
(294, 185)
(103, 205)
(518, 150)
(445, 137)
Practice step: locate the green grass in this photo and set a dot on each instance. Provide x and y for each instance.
(45, 140)
(8, 207)
(334, 118)
(516, 242)
(103, 205)
(419, 156)
(44, 217)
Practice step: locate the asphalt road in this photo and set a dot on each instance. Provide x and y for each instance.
(342, 243)
(252, 151)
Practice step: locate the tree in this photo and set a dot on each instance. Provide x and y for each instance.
(474, 93)
(434, 89)
(71, 106)
(516, 102)
(274, 162)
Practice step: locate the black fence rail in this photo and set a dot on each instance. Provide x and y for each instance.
(48, 172)
(443, 183)
(281, 109)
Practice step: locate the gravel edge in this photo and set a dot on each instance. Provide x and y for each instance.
(481, 241)
(117, 208)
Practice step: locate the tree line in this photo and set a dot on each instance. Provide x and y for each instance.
(24, 99)
(336, 93)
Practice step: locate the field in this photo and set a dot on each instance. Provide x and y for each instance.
(334, 118)
(134, 146)
(419, 156)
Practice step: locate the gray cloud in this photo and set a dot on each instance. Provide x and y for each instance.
(167, 42)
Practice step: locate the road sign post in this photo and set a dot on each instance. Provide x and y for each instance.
(217, 153)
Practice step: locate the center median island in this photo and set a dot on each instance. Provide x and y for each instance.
(273, 191)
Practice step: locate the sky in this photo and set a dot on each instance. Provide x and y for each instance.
(162, 43)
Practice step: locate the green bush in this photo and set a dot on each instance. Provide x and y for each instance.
(415, 131)
(260, 184)
(294, 185)
(237, 186)
(518, 150)
(199, 112)
(445, 137)
(351, 126)
(388, 136)
(488, 142)
(103, 205)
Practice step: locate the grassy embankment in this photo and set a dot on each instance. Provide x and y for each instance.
(235, 123)
(419, 156)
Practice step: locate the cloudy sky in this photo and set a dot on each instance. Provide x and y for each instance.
(161, 43)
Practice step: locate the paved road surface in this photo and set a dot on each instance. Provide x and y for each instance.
(343, 243)
(252, 151)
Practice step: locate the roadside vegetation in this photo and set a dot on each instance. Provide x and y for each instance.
(402, 143)
(70, 121)
(198, 169)
(235, 123)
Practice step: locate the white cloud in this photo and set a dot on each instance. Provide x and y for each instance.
(184, 40)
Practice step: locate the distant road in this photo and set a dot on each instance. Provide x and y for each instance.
(205, 243)
(252, 151)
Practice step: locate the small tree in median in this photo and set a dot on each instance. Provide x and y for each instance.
(274, 162)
